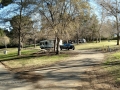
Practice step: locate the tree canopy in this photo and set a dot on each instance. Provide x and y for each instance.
(112, 8)
(6, 2)
(1, 32)
(57, 19)
(26, 27)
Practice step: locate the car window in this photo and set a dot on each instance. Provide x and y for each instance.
(46, 43)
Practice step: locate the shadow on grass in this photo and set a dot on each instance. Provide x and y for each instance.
(38, 54)
(15, 57)
(112, 63)
(113, 71)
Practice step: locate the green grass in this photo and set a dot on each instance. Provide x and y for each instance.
(94, 45)
(41, 61)
(29, 57)
(12, 53)
(112, 63)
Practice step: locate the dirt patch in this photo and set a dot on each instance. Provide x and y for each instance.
(100, 79)
(29, 76)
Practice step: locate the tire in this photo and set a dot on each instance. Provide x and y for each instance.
(73, 48)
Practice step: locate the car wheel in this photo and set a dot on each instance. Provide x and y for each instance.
(73, 48)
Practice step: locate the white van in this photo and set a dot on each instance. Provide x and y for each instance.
(48, 44)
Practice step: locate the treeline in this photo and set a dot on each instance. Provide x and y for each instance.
(55, 19)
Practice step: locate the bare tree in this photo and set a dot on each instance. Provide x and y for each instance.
(23, 4)
(112, 8)
(59, 17)
(107, 30)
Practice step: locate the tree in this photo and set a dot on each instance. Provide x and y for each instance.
(112, 8)
(1, 32)
(107, 30)
(3, 38)
(6, 2)
(26, 27)
(23, 9)
(34, 35)
(94, 27)
(58, 16)
(23, 4)
(86, 26)
(80, 24)
(101, 22)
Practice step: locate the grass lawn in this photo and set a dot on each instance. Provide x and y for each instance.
(29, 57)
(12, 53)
(32, 56)
(112, 64)
(112, 60)
(94, 45)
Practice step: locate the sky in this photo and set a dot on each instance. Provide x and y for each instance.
(95, 8)
(7, 12)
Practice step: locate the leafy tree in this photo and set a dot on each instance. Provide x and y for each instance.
(23, 9)
(1, 32)
(107, 30)
(4, 40)
(26, 26)
(23, 4)
(94, 27)
(6, 2)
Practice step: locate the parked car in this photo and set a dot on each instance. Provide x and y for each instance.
(67, 46)
(82, 40)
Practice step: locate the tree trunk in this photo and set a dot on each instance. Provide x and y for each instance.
(19, 29)
(99, 37)
(57, 49)
(55, 44)
(19, 43)
(117, 23)
(118, 38)
(97, 40)
(77, 39)
(34, 43)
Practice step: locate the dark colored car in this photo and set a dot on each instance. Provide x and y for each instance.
(67, 46)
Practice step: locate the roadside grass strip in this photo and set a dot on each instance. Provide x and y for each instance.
(112, 63)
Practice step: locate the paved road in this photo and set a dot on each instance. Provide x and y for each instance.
(69, 75)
